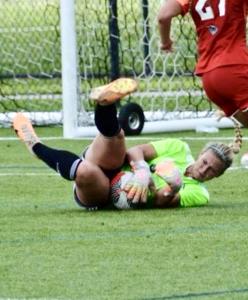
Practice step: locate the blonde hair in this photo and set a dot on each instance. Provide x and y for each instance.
(226, 152)
(237, 143)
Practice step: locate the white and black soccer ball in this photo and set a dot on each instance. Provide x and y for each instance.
(117, 195)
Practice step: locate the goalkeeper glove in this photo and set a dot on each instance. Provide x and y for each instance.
(137, 187)
(171, 175)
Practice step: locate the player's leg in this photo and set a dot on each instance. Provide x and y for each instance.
(107, 151)
(92, 184)
(63, 162)
(111, 139)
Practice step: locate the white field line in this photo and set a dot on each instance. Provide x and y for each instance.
(28, 174)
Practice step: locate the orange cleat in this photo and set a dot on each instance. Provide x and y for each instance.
(114, 91)
(25, 131)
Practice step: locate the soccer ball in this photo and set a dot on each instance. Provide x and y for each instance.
(244, 161)
(117, 195)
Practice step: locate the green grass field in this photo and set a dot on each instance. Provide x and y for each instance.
(51, 249)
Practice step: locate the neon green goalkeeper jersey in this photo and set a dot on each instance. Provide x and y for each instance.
(193, 192)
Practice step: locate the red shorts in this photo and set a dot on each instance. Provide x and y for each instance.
(227, 87)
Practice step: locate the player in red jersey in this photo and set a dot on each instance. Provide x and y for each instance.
(222, 49)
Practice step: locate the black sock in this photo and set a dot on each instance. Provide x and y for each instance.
(63, 162)
(106, 120)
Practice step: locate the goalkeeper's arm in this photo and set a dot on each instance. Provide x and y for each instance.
(168, 196)
(137, 187)
(165, 199)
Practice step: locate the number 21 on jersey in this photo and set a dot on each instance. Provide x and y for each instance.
(207, 13)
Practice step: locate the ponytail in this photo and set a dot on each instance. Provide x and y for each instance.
(237, 142)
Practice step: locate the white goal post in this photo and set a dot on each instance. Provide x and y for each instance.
(69, 67)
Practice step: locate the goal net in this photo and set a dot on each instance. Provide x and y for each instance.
(54, 52)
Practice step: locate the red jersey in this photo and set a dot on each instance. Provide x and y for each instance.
(221, 32)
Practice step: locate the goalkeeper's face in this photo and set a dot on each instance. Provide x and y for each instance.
(207, 166)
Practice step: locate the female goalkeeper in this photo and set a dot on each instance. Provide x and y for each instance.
(150, 185)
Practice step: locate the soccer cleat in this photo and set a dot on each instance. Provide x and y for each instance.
(25, 131)
(115, 90)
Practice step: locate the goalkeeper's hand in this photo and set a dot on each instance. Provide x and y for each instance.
(137, 187)
(171, 175)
